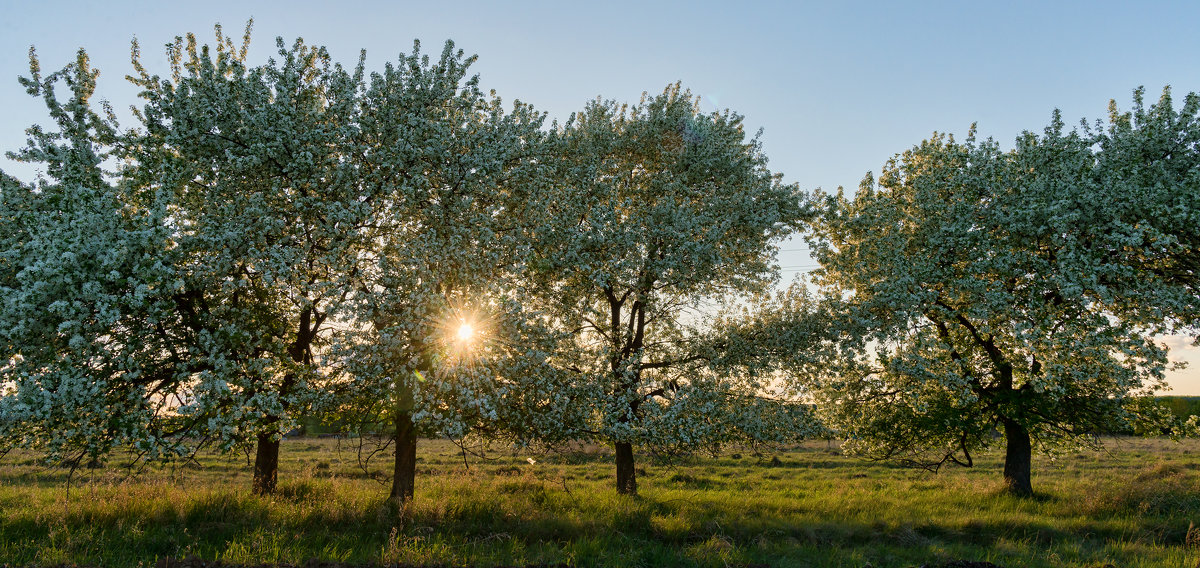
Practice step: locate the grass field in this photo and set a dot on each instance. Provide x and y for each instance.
(1136, 504)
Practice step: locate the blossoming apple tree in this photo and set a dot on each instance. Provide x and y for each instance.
(985, 290)
(658, 208)
(266, 215)
(443, 343)
(88, 354)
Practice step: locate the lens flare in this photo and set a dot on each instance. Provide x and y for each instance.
(466, 332)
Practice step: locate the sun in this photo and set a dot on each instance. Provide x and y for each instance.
(465, 333)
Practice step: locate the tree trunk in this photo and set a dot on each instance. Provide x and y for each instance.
(405, 472)
(266, 464)
(266, 457)
(626, 476)
(1017, 457)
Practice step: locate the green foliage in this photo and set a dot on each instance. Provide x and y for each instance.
(657, 209)
(450, 177)
(1182, 407)
(86, 273)
(985, 290)
(265, 221)
(297, 238)
(1148, 176)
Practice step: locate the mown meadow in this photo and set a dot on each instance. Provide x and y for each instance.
(1134, 504)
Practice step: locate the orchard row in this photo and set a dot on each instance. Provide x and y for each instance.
(400, 250)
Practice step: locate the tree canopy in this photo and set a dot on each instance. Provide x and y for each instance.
(450, 177)
(988, 290)
(86, 319)
(298, 237)
(658, 208)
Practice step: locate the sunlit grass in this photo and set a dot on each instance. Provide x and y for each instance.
(1132, 505)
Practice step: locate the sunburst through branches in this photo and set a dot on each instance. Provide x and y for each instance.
(465, 333)
(468, 332)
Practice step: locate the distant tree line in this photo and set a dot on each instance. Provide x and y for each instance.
(1182, 407)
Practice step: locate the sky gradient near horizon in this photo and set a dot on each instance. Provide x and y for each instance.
(837, 87)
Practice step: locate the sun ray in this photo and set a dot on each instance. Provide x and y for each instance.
(465, 333)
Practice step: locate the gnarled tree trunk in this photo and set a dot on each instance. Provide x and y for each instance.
(266, 457)
(1017, 459)
(405, 471)
(626, 476)
(266, 464)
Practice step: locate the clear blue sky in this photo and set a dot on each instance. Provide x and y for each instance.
(837, 86)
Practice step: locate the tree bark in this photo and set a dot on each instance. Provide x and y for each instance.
(626, 476)
(266, 464)
(266, 457)
(1017, 459)
(405, 472)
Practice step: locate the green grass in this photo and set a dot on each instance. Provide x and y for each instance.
(1137, 504)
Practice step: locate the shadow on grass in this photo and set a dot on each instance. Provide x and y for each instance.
(208, 526)
(700, 516)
